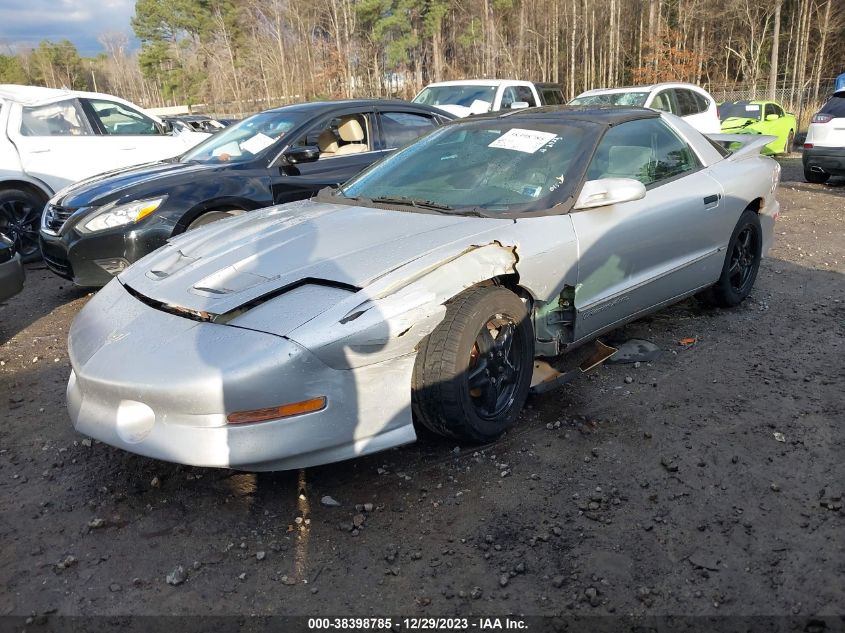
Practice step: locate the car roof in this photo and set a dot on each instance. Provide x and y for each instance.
(606, 115)
(644, 88)
(37, 95)
(358, 103)
(478, 82)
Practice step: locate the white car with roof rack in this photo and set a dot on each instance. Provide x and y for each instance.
(51, 138)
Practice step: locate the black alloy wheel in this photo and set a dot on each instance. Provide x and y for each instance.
(494, 368)
(20, 217)
(743, 260)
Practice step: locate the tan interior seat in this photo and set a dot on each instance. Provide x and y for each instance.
(327, 143)
(352, 134)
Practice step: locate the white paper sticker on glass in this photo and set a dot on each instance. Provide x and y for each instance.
(528, 141)
(752, 108)
(257, 143)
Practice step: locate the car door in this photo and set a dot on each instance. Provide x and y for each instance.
(55, 142)
(639, 254)
(126, 136)
(335, 166)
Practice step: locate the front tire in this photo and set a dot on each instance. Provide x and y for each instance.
(20, 219)
(473, 371)
(211, 216)
(790, 143)
(742, 261)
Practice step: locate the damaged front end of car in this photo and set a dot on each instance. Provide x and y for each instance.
(278, 375)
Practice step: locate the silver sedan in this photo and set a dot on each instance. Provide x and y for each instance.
(422, 291)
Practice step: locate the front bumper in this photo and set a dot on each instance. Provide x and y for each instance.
(161, 385)
(12, 276)
(828, 160)
(80, 257)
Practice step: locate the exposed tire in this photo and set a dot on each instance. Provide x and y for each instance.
(742, 261)
(815, 177)
(473, 371)
(790, 143)
(20, 219)
(211, 216)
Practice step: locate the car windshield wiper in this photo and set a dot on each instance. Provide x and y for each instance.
(413, 202)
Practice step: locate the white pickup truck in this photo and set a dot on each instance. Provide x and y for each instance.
(477, 96)
(52, 138)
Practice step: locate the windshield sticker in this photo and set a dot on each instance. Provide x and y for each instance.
(257, 143)
(528, 141)
(752, 108)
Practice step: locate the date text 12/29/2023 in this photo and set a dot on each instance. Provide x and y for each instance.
(417, 624)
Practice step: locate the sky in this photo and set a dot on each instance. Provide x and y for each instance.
(24, 23)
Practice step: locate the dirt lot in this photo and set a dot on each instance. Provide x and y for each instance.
(662, 489)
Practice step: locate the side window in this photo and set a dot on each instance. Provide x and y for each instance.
(64, 118)
(342, 135)
(523, 93)
(770, 109)
(508, 97)
(778, 110)
(552, 96)
(686, 102)
(646, 150)
(702, 101)
(120, 120)
(400, 128)
(662, 101)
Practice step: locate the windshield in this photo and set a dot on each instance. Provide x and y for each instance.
(245, 140)
(835, 105)
(457, 95)
(491, 167)
(742, 109)
(612, 99)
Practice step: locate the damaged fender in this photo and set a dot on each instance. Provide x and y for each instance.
(401, 308)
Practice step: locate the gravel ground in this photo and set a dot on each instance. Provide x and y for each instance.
(706, 482)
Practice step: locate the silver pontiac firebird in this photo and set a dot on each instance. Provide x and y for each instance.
(421, 290)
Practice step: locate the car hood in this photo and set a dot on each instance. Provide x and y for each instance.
(226, 265)
(131, 183)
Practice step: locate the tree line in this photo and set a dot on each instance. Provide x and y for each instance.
(242, 55)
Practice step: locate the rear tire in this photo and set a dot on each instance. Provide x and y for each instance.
(742, 261)
(20, 220)
(473, 371)
(815, 177)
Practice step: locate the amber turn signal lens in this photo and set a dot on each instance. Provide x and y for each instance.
(274, 413)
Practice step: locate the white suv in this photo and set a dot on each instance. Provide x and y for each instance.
(695, 105)
(824, 147)
(52, 138)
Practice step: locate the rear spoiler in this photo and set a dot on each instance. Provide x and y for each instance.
(749, 144)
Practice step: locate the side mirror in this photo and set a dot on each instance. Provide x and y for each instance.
(304, 154)
(166, 127)
(605, 191)
(519, 105)
(772, 117)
